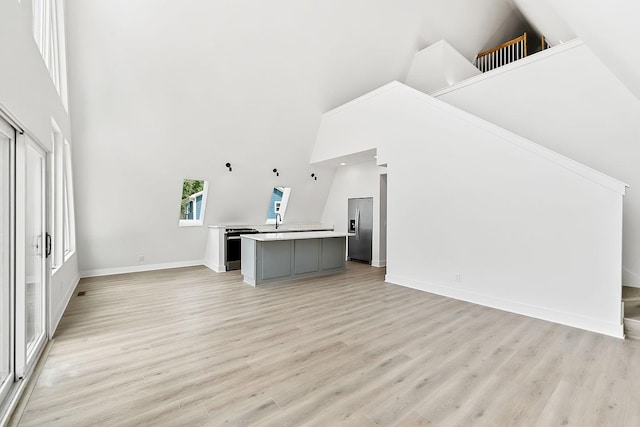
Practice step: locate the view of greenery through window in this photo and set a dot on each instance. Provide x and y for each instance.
(191, 198)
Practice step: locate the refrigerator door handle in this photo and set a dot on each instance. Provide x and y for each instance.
(357, 224)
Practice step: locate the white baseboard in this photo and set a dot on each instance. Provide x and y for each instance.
(139, 268)
(613, 329)
(215, 267)
(379, 263)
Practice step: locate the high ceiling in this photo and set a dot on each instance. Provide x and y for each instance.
(162, 90)
(610, 30)
(332, 51)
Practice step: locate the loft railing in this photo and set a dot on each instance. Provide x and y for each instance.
(506, 53)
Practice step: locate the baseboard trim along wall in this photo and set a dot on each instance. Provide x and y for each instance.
(379, 263)
(139, 268)
(612, 329)
(215, 267)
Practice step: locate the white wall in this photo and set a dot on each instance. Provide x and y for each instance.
(438, 66)
(525, 229)
(205, 82)
(164, 90)
(26, 90)
(28, 95)
(353, 181)
(156, 100)
(383, 218)
(567, 100)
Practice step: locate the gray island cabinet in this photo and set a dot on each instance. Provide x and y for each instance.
(280, 257)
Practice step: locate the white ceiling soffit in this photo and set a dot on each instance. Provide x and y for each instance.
(349, 159)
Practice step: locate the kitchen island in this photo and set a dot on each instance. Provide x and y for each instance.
(217, 254)
(279, 257)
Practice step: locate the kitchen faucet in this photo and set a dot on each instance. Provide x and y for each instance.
(278, 216)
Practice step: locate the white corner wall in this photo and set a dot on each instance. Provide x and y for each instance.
(359, 180)
(480, 214)
(29, 97)
(439, 66)
(567, 100)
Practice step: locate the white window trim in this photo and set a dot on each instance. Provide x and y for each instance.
(61, 180)
(286, 191)
(57, 165)
(200, 221)
(71, 215)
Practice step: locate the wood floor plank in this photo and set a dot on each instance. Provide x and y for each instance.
(191, 347)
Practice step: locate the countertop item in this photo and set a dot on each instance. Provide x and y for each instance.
(268, 237)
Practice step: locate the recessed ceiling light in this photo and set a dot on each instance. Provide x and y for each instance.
(343, 164)
(375, 157)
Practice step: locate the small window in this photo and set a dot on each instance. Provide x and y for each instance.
(193, 202)
(278, 204)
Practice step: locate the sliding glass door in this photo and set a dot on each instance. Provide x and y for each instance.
(31, 288)
(7, 143)
(24, 246)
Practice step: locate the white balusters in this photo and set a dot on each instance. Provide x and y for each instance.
(504, 54)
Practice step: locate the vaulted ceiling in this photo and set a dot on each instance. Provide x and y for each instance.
(162, 90)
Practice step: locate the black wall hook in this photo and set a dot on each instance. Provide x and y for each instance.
(228, 165)
(276, 172)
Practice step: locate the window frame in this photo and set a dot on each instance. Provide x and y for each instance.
(62, 205)
(68, 205)
(286, 193)
(200, 221)
(49, 35)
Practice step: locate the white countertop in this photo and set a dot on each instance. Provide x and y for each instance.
(267, 228)
(269, 237)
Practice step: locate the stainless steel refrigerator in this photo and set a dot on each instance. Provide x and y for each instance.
(361, 226)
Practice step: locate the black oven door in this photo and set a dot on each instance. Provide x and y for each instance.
(233, 253)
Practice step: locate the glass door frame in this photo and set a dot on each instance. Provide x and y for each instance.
(25, 359)
(10, 132)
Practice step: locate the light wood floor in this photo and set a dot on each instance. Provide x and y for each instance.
(189, 347)
(632, 304)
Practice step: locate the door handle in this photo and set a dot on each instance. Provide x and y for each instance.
(357, 224)
(48, 249)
